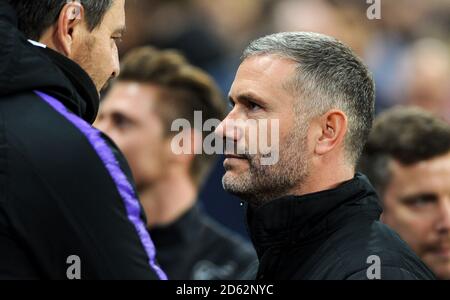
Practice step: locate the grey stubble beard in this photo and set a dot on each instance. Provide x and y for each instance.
(263, 183)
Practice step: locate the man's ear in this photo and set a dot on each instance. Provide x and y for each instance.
(333, 127)
(70, 17)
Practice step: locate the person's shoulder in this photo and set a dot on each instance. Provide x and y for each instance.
(27, 121)
(40, 137)
(27, 110)
(388, 273)
(16, 100)
(378, 247)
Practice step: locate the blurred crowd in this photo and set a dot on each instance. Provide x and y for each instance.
(407, 49)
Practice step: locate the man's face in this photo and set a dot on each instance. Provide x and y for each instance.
(128, 116)
(259, 93)
(417, 206)
(96, 52)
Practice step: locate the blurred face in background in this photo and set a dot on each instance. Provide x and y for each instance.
(323, 17)
(424, 74)
(417, 206)
(128, 116)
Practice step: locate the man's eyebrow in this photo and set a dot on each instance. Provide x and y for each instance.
(411, 198)
(118, 113)
(248, 97)
(121, 30)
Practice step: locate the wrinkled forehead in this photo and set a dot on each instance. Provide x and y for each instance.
(263, 74)
(267, 66)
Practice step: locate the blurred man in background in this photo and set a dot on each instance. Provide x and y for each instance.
(154, 89)
(407, 158)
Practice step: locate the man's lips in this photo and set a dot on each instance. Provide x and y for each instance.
(234, 156)
(443, 252)
(231, 159)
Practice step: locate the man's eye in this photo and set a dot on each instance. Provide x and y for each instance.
(121, 122)
(253, 106)
(421, 201)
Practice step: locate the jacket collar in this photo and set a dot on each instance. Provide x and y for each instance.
(84, 99)
(300, 219)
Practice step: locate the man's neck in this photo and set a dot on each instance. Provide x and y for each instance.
(325, 178)
(167, 200)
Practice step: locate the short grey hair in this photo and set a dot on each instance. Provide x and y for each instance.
(329, 75)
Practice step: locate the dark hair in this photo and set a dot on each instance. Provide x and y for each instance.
(405, 134)
(35, 16)
(329, 75)
(184, 89)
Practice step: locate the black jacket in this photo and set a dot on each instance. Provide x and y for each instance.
(65, 189)
(332, 234)
(195, 247)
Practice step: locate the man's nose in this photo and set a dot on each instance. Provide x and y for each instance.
(116, 64)
(230, 128)
(444, 215)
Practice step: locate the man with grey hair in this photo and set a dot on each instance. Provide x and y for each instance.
(310, 215)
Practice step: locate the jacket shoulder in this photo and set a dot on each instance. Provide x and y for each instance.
(387, 273)
(376, 247)
(40, 135)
